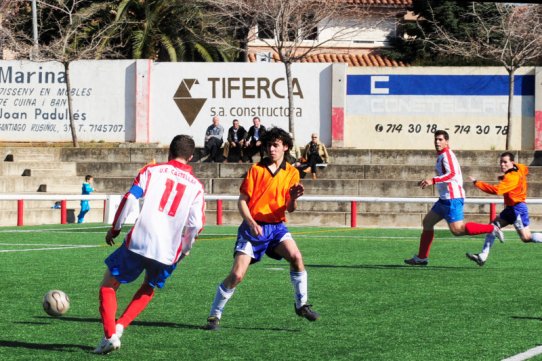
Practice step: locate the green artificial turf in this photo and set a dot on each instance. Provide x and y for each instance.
(372, 306)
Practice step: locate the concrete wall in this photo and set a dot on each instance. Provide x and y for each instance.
(358, 107)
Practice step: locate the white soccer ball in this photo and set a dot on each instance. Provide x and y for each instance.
(56, 303)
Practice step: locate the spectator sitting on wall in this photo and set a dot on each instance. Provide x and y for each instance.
(315, 153)
(213, 141)
(235, 143)
(253, 143)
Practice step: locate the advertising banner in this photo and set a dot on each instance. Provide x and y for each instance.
(34, 101)
(398, 108)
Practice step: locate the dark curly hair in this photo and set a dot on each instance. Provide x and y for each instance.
(276, 133)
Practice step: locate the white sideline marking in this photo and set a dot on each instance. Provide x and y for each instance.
(525, 355)
(41, 244)
(44, 249)
(50, 229)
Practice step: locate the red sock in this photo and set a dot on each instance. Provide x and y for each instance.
(426, 240)
(141, 299)
(108, 309)
(477, 228)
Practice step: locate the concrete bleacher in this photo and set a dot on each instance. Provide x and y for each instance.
(378, 173)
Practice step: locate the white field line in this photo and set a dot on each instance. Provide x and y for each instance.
(51, 229)
(45, 249)
(42, 244)
(525, 355)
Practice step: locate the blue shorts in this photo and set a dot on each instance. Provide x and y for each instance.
(255, 247)
(126, 266)
(450, 209)
(511, 213)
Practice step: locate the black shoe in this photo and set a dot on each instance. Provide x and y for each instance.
(307, 312)
(476, 258)
(213, 323)
(416, 261)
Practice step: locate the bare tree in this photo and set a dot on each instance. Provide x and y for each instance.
(293, 29)
(76, 40)
(512, 38)
(70, 31)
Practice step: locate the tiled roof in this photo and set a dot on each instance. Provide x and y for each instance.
(372, 59)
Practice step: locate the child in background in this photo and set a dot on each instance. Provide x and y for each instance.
(86, 190)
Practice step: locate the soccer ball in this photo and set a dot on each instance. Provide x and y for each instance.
(56, 303)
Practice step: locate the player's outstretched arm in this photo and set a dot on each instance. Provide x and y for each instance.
(295, 191)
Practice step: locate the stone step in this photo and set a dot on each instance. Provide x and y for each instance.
(362, 187)
(50, 184)
(38, 169)
(338, 156)
(31, 154)
(332, 171)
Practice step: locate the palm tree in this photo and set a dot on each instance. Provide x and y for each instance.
(164, 30)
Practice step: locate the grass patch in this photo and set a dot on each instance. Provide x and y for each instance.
(373, 306)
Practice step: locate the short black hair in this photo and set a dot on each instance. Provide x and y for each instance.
(182, 146)
(442, 132)
(510, 155)
(88, 176)
(276, 133)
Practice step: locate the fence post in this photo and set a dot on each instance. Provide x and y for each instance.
(492, 212)
(219, 212)
(63, 216)
(20, 212)
(103, 211)
(353, 214)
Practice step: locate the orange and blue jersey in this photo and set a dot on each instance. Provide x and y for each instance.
(513, 186)
(269, 193)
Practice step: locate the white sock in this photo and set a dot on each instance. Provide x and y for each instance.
(222, 297)
(299, 281)
(490, 238)
(536, 237)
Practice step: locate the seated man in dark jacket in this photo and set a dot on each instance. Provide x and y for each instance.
(253, 143)
(235, 143)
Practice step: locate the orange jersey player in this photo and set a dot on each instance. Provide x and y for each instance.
(513, 187)
(270, 188)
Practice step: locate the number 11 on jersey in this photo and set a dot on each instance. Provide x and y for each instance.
(179, 191)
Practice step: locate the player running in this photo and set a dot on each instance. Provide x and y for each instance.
(513, 187)
(449, 181)
(171, 217)
(269, 189)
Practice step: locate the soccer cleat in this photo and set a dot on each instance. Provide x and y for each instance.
(213, 323)
(417, 261)
(498, 233)
(306, 312)
(119, 330)
(475, 257)
(107, 345)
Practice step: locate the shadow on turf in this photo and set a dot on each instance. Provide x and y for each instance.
(527, 318)
(152, 324)
(389, 266)
(135, 323)
(44, 346)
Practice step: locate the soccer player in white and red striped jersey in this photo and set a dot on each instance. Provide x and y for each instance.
(449, 181)
(171, 217)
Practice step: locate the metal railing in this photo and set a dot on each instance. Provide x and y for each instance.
(219, 198)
